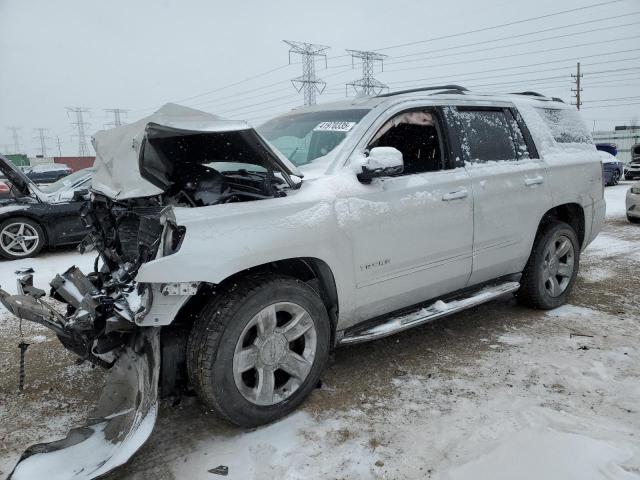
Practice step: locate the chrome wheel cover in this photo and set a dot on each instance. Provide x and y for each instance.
(19, 239)
(558, 265)
(274, 353)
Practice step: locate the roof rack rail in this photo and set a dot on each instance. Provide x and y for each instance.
(539, 95)
(449, 88)
(529, 93)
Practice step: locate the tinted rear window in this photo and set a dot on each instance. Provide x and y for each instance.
(566, 126)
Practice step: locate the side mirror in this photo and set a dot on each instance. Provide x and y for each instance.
(381, 162)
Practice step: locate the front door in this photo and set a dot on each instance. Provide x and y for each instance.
(411, 234)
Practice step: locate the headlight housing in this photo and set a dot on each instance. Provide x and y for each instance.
(635, 190)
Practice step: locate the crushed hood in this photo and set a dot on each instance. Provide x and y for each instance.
(119, 150)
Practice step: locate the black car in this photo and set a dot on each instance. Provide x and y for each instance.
(33, 217)
(47, 172)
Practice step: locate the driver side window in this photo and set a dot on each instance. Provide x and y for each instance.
(417, 135)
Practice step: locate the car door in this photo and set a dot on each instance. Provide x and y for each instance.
(509, 188)
(411, 234)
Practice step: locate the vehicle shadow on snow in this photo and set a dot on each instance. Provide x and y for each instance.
(356, 374)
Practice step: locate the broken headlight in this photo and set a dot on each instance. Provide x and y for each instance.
(172, 238)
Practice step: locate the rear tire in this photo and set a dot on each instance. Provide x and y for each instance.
(257, 349)
(551, 270)
(20, 237)
(633, 219)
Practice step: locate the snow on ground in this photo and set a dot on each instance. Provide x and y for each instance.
(499, 392)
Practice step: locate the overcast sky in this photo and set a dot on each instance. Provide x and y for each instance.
(137, 55)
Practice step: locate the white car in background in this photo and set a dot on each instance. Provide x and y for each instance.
(633, 203)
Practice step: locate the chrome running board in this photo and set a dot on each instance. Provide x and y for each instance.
(389, 326)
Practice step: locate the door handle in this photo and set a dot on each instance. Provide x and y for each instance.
(530, 182)
(457, 195)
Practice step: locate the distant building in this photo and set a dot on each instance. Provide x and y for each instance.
(18, 159)
(75, 163)
(623, 136)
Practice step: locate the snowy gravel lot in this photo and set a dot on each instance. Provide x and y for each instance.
(497, 392)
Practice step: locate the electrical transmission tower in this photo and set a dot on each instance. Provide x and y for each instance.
(43, 139)
(15, 135)
(578, 89)
(59, 146)
(308, 80)
(118, 113)
(81, 125)
(367, 85)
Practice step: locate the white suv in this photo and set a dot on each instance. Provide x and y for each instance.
(233, 259)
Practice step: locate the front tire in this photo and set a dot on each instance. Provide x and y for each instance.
(552, 268)
(20, 238)
(258, 349)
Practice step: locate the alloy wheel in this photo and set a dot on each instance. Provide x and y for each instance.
(558, 265)
(275, 353)
(19, 239)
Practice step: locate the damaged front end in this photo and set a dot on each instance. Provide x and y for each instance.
(175, 158)
(99, 325)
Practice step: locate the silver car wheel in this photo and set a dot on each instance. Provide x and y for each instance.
(19, 239)
(274, 353)
(558, 265)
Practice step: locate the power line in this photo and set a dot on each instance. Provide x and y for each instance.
(308, 80)
(509, 24)
(612, 105)
(509, 37)
(81, 125)
(367, 85)
(501, 57)
(508, 45)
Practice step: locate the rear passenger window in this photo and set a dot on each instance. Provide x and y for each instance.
(565, 125)
(486, 136)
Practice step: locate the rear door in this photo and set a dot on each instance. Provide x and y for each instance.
(510, 189)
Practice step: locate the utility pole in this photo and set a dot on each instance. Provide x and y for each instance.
(308, 80)
(81, 125)
(15, 135)
(59, 147)
(118, 113)
(367, 85)
(578, 89)
(43, 140)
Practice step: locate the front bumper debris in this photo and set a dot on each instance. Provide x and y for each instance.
(99, 327)
(115, 430)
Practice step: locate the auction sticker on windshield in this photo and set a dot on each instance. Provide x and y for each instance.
(334, 126)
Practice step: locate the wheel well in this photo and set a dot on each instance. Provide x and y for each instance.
(313, 271)
(571, 213)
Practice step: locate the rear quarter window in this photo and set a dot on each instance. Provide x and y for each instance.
(566, 126)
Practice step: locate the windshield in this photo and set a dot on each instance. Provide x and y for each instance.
(66, 182)
(303, 137)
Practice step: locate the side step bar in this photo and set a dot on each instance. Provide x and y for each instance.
(389, 326)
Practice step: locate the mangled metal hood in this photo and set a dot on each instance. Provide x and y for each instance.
(120, 152)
